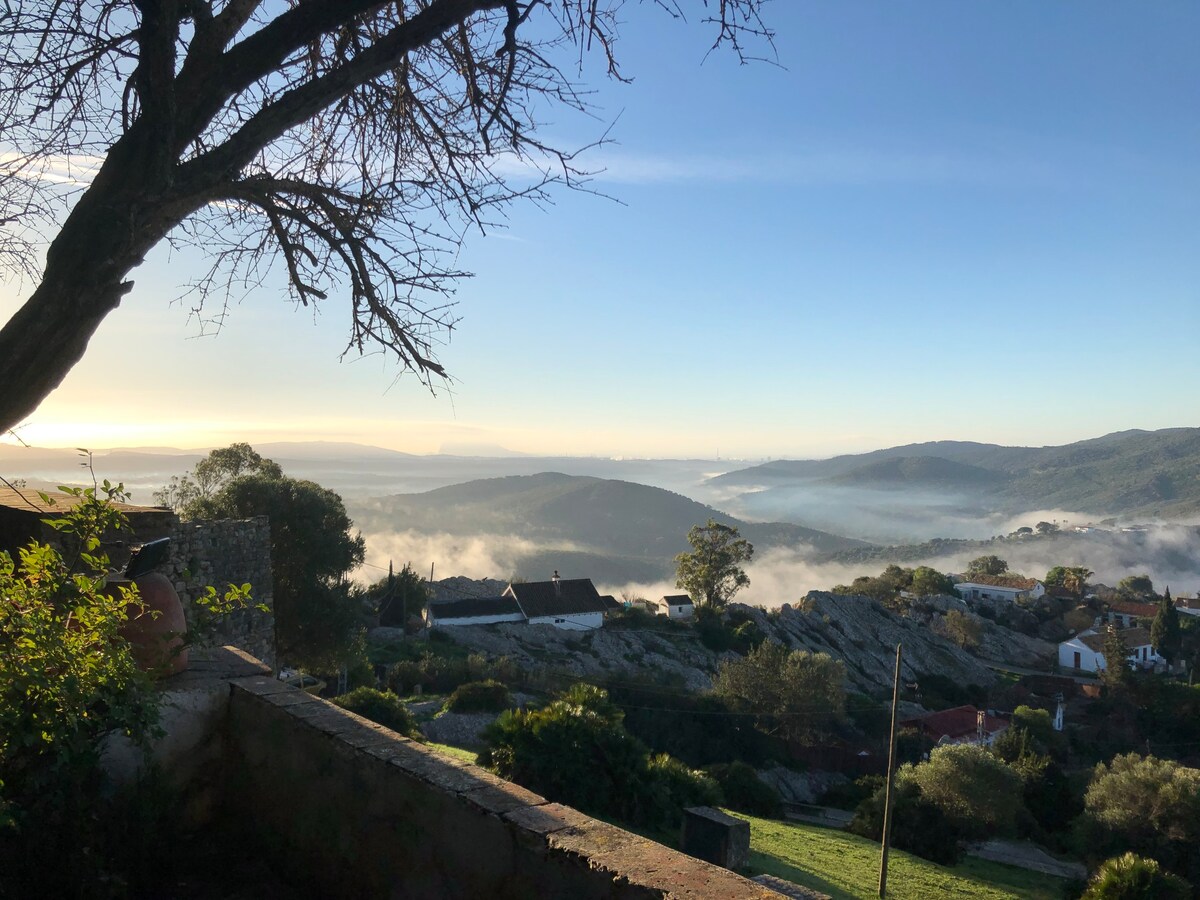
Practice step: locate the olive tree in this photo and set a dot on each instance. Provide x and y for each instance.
(975, 789)
(350, 143)
(794, 693)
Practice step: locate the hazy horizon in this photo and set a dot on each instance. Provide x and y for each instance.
(945, 220)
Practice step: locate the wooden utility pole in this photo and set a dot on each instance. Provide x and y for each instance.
(891, 777)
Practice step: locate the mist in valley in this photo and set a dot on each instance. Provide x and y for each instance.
(1169, 554)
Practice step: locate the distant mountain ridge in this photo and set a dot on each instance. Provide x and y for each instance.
(1128, 473)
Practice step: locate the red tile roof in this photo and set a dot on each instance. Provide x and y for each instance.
(1141, 610)
(955, 724)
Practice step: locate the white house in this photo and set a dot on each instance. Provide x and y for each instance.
(474, 611)
(1000, 587)
(1085, 651)
(570, 603)
(677, 606)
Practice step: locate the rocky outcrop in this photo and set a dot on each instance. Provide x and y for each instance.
(863, 634)
(997, 643)
(857, 630)
(671, 654)
(805, 788)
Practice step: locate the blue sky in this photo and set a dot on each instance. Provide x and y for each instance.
(935, 220)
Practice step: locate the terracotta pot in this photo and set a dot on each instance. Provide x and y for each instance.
(156, 640)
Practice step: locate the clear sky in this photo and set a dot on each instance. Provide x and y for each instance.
(935, 220)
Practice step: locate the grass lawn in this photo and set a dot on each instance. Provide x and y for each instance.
(846, 866)
(456, 752)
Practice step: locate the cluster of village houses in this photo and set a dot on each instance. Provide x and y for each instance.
(1085, 651)
(575, 604)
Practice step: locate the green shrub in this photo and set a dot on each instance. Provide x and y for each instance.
(683, 786)
(68, 679)
(918, 825)
(576, 751)
(1132, 877)
(479, 696)
(850, 795)
(441, 674)
(745, 791)
(382, 707)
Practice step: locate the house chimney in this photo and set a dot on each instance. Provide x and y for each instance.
(556, 581)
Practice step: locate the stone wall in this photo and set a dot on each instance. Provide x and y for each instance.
(218, 553)
(348, 808)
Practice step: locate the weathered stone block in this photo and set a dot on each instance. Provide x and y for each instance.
(711, 835)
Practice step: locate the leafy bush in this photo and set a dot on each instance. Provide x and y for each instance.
(745, 791)
(382, 707)
(976, 790)
(576, 751)
(68, 679)
(1148, 805)
(1131, 877)
(850, 795)
(727, 631)
(918, 825)
(442, 672)
(682, 786)
(479, 696)
(695, 728)
(939, 692)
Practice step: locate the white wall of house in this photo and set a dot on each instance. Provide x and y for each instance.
(968, 590)
(572, 622)
(679, 611)
(476, 620)
(1075, 654)
(1090, 660)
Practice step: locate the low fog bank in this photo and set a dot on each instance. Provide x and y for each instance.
(472, 556)
(1169, 554)
(910, 515)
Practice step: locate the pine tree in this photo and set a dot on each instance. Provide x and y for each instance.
(1165, 633)
(1116, 665)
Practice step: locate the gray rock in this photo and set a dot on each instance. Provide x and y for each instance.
(459, 729)
(800, 787)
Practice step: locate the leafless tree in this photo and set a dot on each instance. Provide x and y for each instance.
(351, 142)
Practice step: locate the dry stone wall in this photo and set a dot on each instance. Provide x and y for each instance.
(219, 553)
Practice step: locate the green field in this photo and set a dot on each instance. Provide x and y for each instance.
(846, 866)
(456, 752)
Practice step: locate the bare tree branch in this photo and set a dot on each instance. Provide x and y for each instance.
(348, 144)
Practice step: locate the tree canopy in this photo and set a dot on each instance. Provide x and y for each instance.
(1069, 578)
(313, 547)
(975, 789)
(712, 573)
(795, 693)
(1165, 632)
(1148, 805)
(348, 143)
(987, 565)
(1137, 588)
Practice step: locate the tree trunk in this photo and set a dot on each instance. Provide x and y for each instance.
(109, 232)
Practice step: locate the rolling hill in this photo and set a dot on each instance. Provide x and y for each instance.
(1128, 474)
(608, 529)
